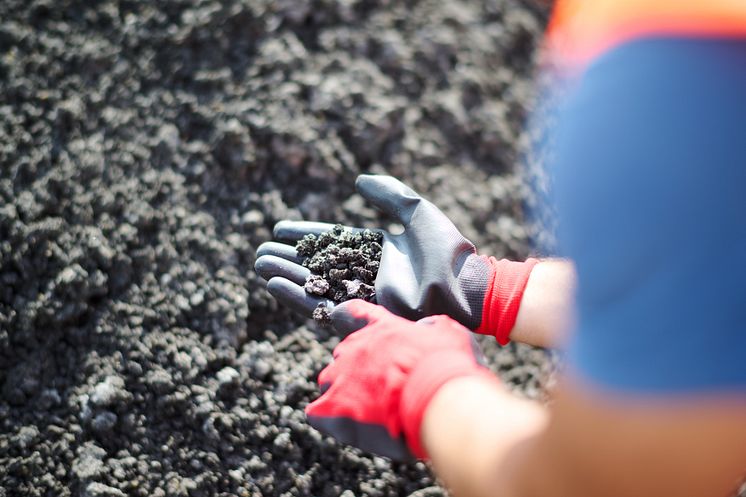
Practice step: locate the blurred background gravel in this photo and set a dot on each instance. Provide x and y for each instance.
(147, 149)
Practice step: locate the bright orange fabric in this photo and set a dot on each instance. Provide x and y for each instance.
(583, 29)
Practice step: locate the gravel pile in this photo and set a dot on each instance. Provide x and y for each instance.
(147, 149)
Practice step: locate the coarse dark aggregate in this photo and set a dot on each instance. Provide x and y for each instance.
(147, 149)
(343, 265)
(322, 315)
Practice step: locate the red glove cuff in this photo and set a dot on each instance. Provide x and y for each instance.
(423, 383)
(503, 297)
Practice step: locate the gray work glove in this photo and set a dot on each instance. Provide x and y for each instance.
(428, 269)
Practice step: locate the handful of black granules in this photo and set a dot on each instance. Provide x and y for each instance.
(343, 265)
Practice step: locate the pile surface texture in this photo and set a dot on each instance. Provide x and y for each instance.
(147, 149)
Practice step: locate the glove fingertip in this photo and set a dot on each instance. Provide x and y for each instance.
(353, 315)
(263, 266)
(280, 227)
(362, 178)
(367, 185)
(294, 296)
(317, 409)
(325, 378)
(389, 195)
(311, 417)
(308, 410)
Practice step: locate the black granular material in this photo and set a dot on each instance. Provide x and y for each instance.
(146, 151)
(322, 315)
(343, 265)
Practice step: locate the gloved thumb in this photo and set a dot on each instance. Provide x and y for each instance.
(352, 315)
(389, 195)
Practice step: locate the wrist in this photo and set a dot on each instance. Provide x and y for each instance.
(503, 296)
(476, 431)
(423, 383)
(449, 402)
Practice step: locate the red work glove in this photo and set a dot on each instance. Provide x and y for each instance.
(383, 377)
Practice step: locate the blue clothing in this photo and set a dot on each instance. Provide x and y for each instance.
(650, 192)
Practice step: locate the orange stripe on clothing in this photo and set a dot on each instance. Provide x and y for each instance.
(583, 29)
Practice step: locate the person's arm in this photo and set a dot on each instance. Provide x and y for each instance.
(546, 311)
(483, 442)
(400, 388)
